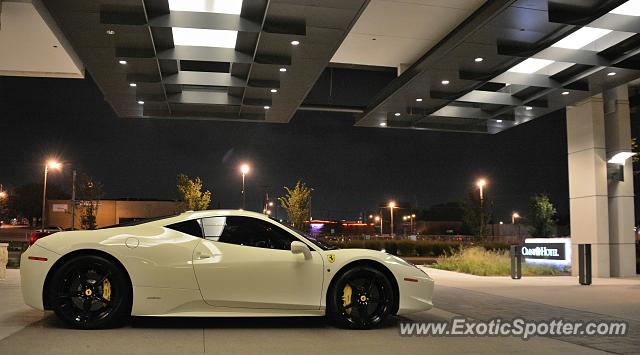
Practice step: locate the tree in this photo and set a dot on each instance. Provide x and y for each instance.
(191, 195)
(476, 215)
(541, 215)
(89, 193)
(297, 202)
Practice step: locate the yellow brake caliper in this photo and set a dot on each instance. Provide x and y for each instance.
(106, 289)
(346, 297)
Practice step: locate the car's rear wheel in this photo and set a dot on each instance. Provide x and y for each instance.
(90, 292)
(361, 298)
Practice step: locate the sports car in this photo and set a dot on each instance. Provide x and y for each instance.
(222, 263)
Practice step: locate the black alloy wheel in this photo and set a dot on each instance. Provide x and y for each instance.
(361, 298)
(90, 292)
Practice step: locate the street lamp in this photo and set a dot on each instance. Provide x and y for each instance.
(481, 183)
(392, 205)
(3, 194)
(413, 223)
(514, 216)
(244, 168)
(378, 218)
(53, 165)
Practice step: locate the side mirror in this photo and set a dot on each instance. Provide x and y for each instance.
(298, 247)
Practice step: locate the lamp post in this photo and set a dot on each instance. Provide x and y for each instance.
(53, 165)
(3, 194)
(514, 216)
(481, 183)
(378, 218)
(392, 205)
(244, 169)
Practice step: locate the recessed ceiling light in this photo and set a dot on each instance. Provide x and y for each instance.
(267, 107)
(581, 38)
(499, 121)
(479, 59)
(528, 108)
(629, 8)
(232, 7)
(383, 124)
(274, 90)
(445, 82)
(565, 93)
(111, 32)
(133, 85)
(140, 102)
(397, 114)
(530, 65)
(123, 62)
(204, 37)
(419, 99)
(295, 43)
(611, 73)
(283, 69)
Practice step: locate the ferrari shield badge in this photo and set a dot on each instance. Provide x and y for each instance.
(331, 258)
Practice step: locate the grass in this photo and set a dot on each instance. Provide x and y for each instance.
(478, 261)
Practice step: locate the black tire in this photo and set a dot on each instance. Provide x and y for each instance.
(90, 292)
(371, 301)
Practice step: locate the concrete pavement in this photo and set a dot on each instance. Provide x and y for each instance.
(28, 331)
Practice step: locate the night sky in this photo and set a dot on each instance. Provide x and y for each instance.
(351, 169)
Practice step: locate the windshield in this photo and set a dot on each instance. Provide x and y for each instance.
(320, 244)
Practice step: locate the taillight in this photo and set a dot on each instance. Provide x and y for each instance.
(33, 237)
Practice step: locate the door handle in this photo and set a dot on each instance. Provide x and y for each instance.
(203, 256)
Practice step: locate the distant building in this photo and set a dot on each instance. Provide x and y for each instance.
(110, 212)
(322, 227)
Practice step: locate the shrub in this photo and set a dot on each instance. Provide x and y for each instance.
(479, 261)
(391, 246)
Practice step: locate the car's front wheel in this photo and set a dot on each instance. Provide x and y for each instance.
(361, 298)
(90, 292)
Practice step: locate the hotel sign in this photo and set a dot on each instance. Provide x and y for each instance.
(548, 251)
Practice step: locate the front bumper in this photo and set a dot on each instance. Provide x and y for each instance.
(416, 293)
(33, 273)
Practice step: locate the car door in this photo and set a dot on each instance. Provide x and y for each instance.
(246, 262)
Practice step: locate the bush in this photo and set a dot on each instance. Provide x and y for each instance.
(479, 261)
(391, 247)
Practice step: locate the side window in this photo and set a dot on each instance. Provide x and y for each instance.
(255, 233)
(212, 227)
(191, 227)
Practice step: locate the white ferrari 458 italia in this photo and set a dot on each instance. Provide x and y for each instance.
(222, 263)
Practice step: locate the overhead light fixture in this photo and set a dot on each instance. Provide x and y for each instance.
(267, 107)
(479, 59)
(499, 121)
(565, 93)
(581, 38)
(530, 65)
(528, 108)
(111, 32)
(204, 37)
(611, 73)
(123, 62)
(397, 114)
(419, 99)
(232, 7)
(133, 85)
(629, 8)
(140, 102)
(295, 43)
(383, 124)
(283, 69)
(274, 90)
(620, 157)
(445, 82)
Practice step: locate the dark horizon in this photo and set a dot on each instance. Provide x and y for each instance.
(351, 169)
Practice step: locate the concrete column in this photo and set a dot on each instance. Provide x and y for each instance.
(588, 183)
(621, 205)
